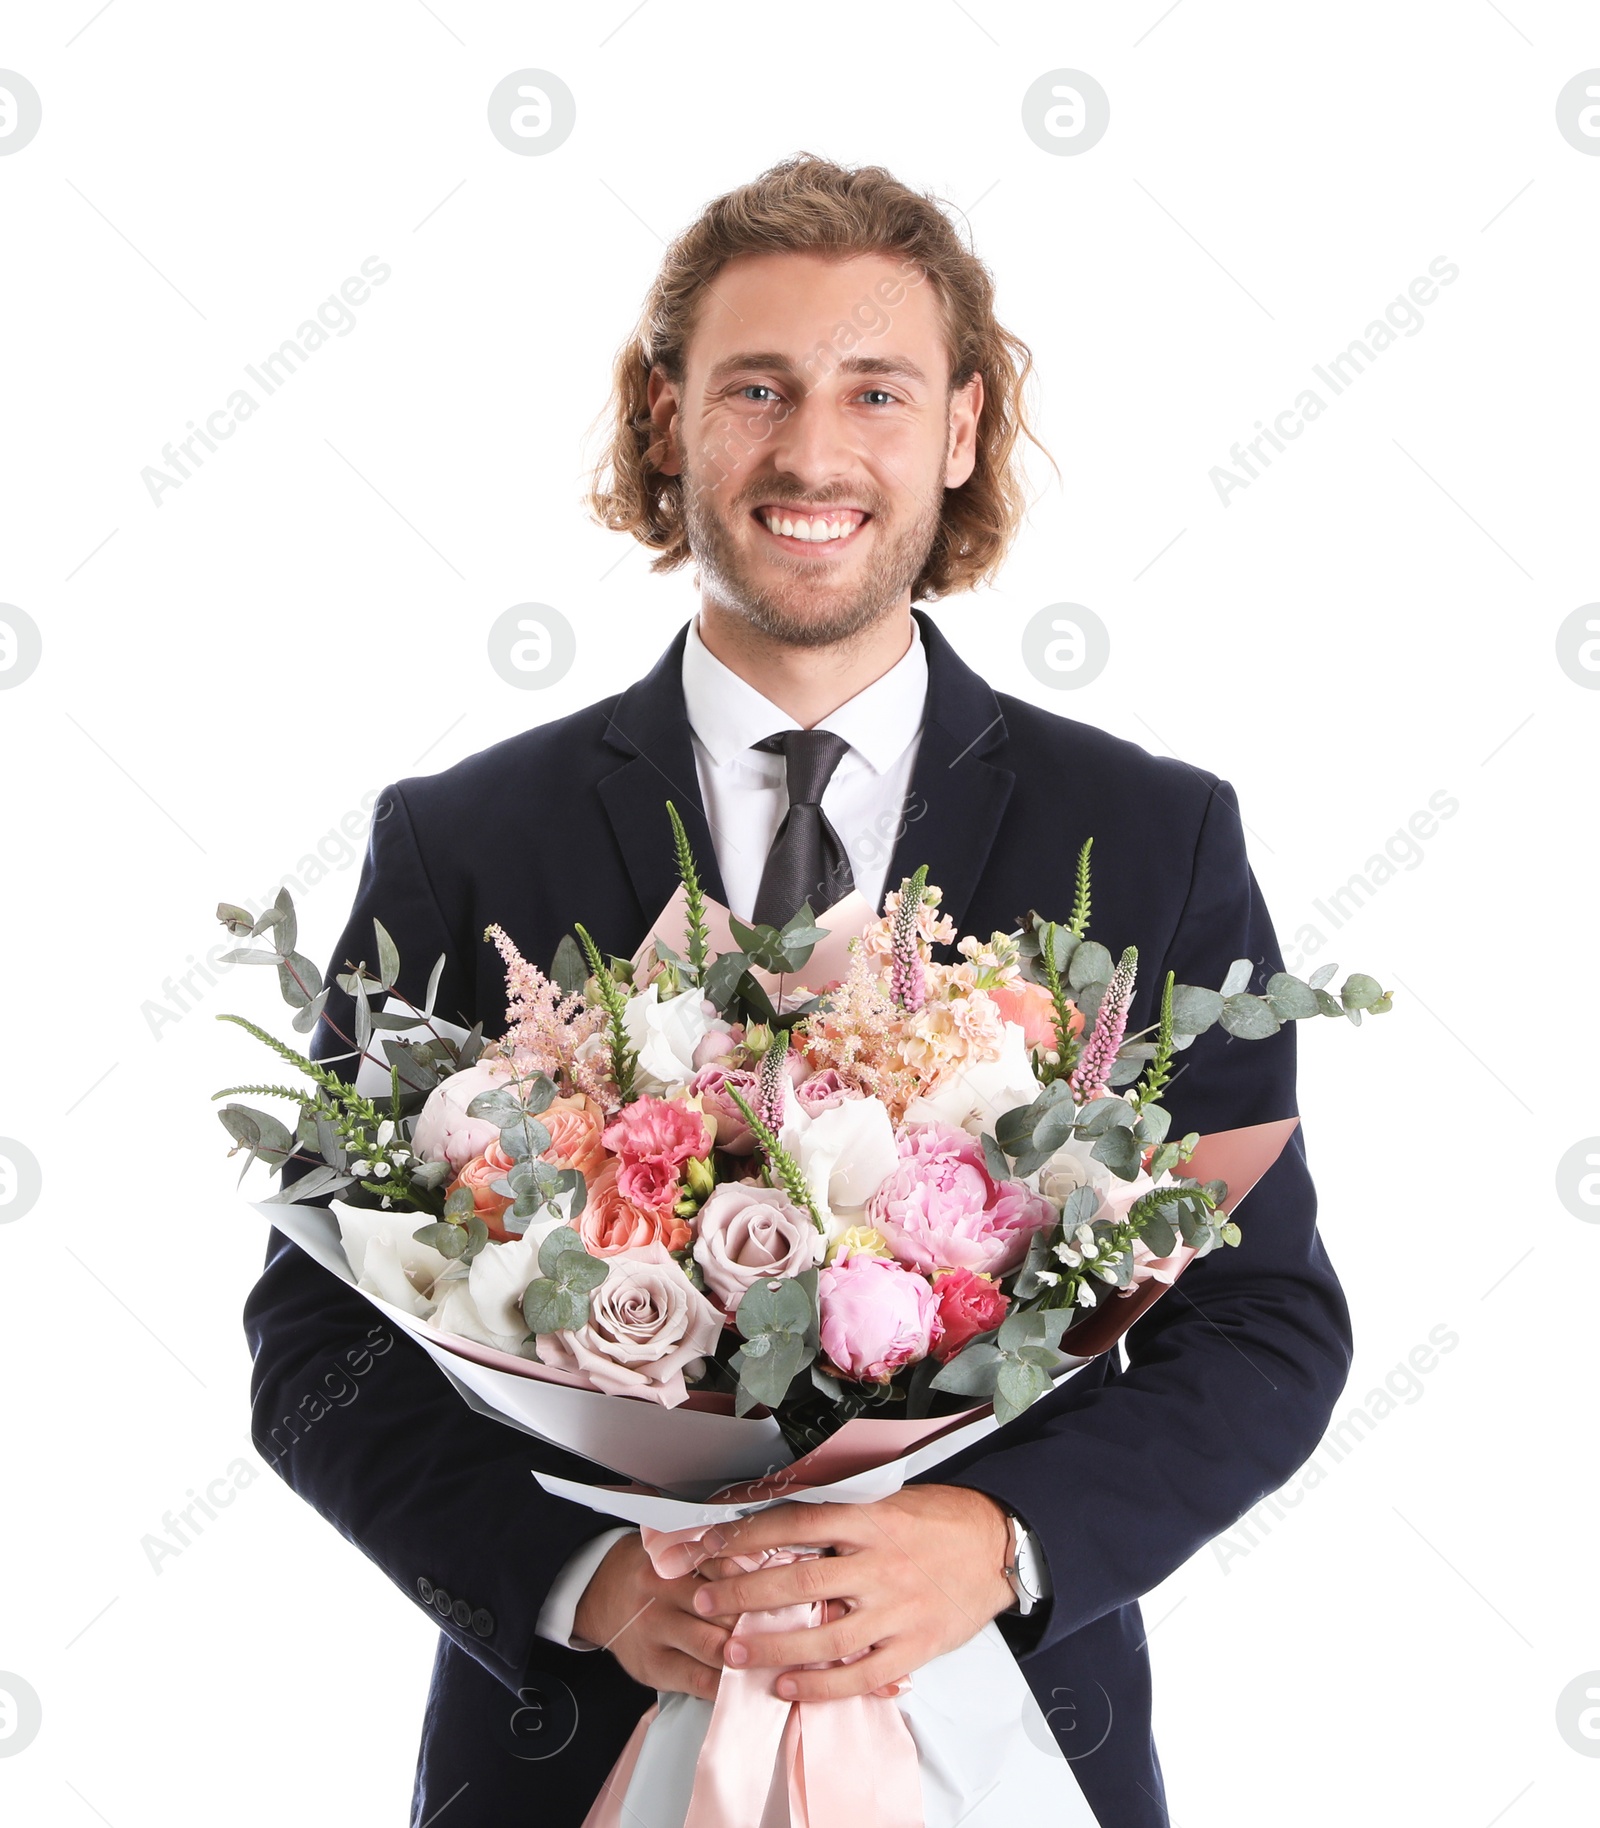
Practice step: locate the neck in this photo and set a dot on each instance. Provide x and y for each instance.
(808, 683)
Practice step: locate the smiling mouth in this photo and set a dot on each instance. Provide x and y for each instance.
(822, 530)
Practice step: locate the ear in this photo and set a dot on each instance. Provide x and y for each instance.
(662, 397)
(966, 406)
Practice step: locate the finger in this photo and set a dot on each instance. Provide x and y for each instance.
(818, 1578)
(856, 1631)
(696, 1637)
(885, 1666)
(681, 1675)
(818, 1525)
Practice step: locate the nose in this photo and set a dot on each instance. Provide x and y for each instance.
(813, 444)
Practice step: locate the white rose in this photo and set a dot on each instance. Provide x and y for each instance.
(844, 1154)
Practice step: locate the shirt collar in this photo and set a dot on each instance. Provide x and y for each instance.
(729, 715)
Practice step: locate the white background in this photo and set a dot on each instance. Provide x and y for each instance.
(1371, 622)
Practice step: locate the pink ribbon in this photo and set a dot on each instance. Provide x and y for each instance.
(845, 1762)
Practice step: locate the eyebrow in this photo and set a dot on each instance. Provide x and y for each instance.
(776, 363)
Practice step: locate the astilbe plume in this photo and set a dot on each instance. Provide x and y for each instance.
(547, 1029)
(1090, 1076)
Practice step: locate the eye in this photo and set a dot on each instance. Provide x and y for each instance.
(755, 387)
(882, 392)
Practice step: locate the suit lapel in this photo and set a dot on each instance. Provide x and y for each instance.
(649, 725)
(957, 797)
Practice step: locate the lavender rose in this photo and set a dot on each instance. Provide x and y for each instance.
(747, 1234)
(875, 1317)
(824, 1091)
(941, 1209)
(648, 1327)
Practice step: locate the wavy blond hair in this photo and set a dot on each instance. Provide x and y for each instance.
(805, 203)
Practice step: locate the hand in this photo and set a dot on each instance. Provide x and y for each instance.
(913, 1575)
(649, 1625)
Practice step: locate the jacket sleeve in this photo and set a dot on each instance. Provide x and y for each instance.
(1233, 1374)
(441, 1498)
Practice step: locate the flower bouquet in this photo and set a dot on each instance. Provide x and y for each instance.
(836, 1207)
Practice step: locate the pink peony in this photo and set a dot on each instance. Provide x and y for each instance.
(824, 1091)
(940, 1209)
(876, 1317)
(747, 1233)
(657, 1130)
(444, 1132)
(969, 1304)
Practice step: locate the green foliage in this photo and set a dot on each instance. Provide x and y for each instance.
(782, 1169)
(696, 935)
(557, 1301)
(613, 1001)
(1078, 921)
(777, 1320)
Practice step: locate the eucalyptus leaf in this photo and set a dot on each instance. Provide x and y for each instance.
(388, 956)
(973, 1371)
(1249, 1017)
(568, 969)
(553, 1307)
(1119, 1150)
(1091, 964)
(236, 919)
(414, 1072)
(306, 1019)
(1018, 1386)
(1239, 974)
(1320, 976)
(1291, 999)
(1194, 1008)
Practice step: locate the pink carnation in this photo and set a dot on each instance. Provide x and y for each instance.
(657, 1130)
(875, 1317)
(941, 1208)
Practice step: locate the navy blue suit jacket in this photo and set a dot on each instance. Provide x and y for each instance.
(1125, 1471)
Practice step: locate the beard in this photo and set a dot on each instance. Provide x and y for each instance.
(806, 609)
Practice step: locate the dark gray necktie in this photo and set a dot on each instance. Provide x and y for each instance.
(807, 861)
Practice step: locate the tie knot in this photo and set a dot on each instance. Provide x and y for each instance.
(810, 757)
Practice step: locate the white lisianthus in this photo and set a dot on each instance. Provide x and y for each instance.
(664, 1036)
(844, 1154)
(975, 1097)
(386, 1260)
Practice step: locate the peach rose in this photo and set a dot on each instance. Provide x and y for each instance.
(1030, 1007)
(610, 1224)
(478, 1177)
(575, 1124)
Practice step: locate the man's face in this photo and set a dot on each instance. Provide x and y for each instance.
(815, 396)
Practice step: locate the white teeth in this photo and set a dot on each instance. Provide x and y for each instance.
(813, 530)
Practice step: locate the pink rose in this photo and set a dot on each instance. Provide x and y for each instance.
(940, 1209)
(654, 1183)
(749, 1233)
(969, 1304)
(824, 1091)
(718, 1045)
(648, 1328)
(876, 1317)
(711, 1085)
(657, 1130)
(444, 1132)
(610, 1224)
(1030, 1006)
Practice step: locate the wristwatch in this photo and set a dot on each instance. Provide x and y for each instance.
(1027, 1570)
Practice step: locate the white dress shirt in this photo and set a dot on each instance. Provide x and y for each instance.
(868, 802)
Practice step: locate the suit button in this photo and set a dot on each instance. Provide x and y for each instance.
(441, 1602)
(425, 1589)
(483, 1623)
(461, 1612)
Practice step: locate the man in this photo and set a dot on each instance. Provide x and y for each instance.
(820, 411)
